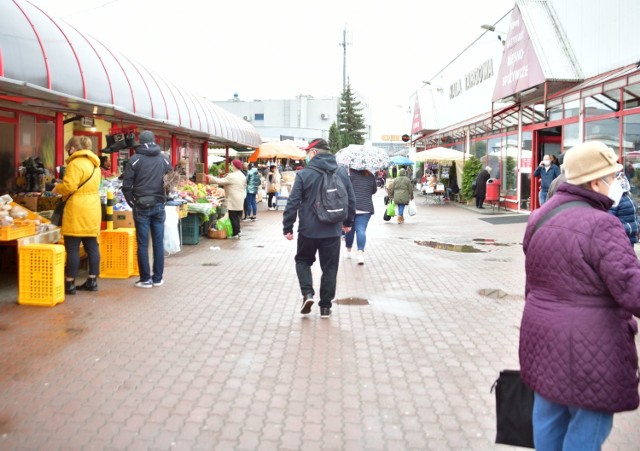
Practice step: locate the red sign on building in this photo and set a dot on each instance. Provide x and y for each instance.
(519, 68)
(416, 124)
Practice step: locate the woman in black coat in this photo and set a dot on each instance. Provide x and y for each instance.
(481, 186)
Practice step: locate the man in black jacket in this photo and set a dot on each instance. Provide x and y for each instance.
(315, 236)
(143, 188)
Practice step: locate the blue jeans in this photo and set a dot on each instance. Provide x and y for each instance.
(328, 250)
(252, 206)
(543, 197)
(565, 428)
(400, 209)
(360, 229)
(150, 220)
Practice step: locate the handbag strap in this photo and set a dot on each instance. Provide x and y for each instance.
(81, 185)
(555, 211)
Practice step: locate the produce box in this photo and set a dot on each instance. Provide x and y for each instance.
(190, 227)
(123, 219)
(46, 203)
(29, 202)
(117, 253)
(199, 168)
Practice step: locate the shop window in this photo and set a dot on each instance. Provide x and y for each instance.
(572, 109)
(606, 130)
(259, 116)
(555, 113)
(632, 96)
(526, 162)
(27, 137)
(7, 155)
(605, 103)
(479, 148)
(492, 158)
(570, 136)
(509, 157)
(631, 154)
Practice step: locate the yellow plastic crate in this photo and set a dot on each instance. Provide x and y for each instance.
(41, 274)
(19, 229)
(136, 270)
(117, 253)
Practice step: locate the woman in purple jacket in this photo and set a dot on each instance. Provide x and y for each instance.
(577, 348)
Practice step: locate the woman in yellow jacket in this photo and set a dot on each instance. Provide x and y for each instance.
(82, 213)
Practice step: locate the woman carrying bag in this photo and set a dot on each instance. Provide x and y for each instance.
(272, 186)
(82, 212)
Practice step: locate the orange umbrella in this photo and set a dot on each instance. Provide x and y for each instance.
(278, 149)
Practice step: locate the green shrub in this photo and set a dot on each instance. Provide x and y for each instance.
(470, 171)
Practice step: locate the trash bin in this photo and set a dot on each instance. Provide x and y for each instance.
(493, 190)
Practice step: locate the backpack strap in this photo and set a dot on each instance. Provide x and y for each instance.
(555, 211)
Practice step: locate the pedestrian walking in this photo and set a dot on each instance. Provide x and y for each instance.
(480, 189)
(364, 187)
(253, 186)
(577, 348)
(143, 188)
(402, 193)
(235, 189)
(314, 236)
(82, 212)
(272, 186)
(547, 171)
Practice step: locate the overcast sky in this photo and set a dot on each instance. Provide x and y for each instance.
(274, 49)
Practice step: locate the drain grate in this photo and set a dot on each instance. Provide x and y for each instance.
(352, 301)
(493, 293)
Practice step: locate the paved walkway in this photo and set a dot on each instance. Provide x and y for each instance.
(220, 358)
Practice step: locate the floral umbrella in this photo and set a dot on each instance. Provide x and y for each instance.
(363, 156)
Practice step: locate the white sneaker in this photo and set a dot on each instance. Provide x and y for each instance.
(348, 254)
(361, 257)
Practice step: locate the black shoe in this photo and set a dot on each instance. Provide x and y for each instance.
(70, 287)
(307, 302)
(91, 284)
(325, 312)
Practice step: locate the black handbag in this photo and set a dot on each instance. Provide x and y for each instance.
(58, 212)
(514, 410)
(386, 217)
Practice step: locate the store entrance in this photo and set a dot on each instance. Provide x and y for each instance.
(546, 141)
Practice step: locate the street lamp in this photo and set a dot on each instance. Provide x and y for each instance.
(492, 28)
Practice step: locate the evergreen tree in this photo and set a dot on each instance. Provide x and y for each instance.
(350, 119)
(334, 138)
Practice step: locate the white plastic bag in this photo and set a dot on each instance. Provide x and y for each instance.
(171, 233)
(412, 208)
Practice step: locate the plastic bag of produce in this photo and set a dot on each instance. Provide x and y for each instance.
(171, 233)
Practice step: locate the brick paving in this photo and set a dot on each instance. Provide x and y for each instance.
(219, 358)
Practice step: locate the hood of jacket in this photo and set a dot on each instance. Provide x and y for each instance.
(150, 149)
(324, 161)
(84, 153)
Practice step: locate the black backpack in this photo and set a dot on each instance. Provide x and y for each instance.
(331, 204)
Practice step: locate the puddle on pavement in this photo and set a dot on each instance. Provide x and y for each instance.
(465, 248)
(210, 264)
(493, 293)
(352, 301)
(490, 242)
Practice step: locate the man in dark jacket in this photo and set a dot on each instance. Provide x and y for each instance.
(143, 188)
(315, 236)
(577, 348)
(547, 171)
(481, 186)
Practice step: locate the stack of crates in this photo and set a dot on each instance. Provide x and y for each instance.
(41, 274)
(190, 229)
(117, 254)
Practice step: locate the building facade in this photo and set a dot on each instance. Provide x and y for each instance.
(547, 75)
(300, 119)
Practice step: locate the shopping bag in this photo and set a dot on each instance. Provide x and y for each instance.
(386, 217)
(228, 226)
(412, 208)
(391, 209)
(58, 212)
(514, 410)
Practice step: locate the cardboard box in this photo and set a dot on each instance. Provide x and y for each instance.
(123, 219)
(199, 168)
(28, 202)
(201, 178)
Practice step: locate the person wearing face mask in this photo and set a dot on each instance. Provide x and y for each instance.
(577, 346)
(235, 190)
(547, 171)
(625, 210)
